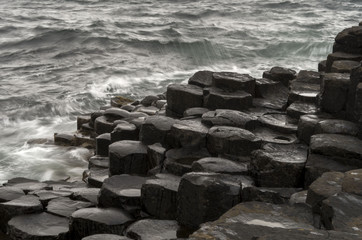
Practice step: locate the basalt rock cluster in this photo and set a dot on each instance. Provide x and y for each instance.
(226, 156)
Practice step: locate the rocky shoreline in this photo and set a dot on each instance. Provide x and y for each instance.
(226, 156)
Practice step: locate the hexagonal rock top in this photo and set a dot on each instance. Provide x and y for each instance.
(234, 81)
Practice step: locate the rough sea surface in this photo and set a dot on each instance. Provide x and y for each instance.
(63, 58)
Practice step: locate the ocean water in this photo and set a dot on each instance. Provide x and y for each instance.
(63, 58)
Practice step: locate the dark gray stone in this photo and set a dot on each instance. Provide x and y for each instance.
(98, 162)
(105, 237)
(274, 104)
(159, 196)
(350, 37)
(307, 125)
(329, 184)
(85, 194)
(322, 66)
(205, 197)
(182, 97)
(297, 109)
(153, 229)
(124, 131)
(233, 118)
(116, 113)
(232, 140)
(344, 66)
(341, 56)
(279, 122)
(178, 161)
(156, 155)
(97, 176)
(202, 79)
(195, 112)
(94, 116)
(269, 195)
(343, 146)
(250, 220)
(128, 107)
(219, 165)
(128, 157)
(189, 133)
(271, 136)
(303, 92)
(64, 139)
(10, 193)
(279, 166)
(27, 185)
(23, 205)
(267, 88)
(64, 207)
(156, 129)
(38, 227)
(151, 110)
(298, 198)
(149, 100)
(234, 82)
(337, 127)
(103, 124)
(120, 190)
(89, 221)
(82, 120)
(215, 98)
(102, 143)
(354, 94)
(311, 77)
(343, 212)
(352, 182)
(334, 92)
(46, 195)
(280, 74)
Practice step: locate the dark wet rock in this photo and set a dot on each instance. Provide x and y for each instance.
(119, 101)
(329, 184)
(337, 127)
(302, 234)
(274, 104)
(182, 97)
(148, 100)
(156, 129)
(202, 79)
(189, 133)
(159, 196)
(341, 56)
(64, 207)
(89, 221)
(85, 194)
(318, 164)
(98, 162)
(47, 195)
(219, 165)
(205, 197)
(94, 116)
(84, 141)
(346, 147)
(116, 113)
(279, 122)
(250, 220)
(88, 129)
(124, 131)
(105, 237)
(343, 212)
(97, 176)
(128, 157)
(156, 155)
(354, 100)
(311, 77)
(351, 37)
(38, 226)
(234, 82)
(232, 140)
(19, 206)
(103, 125)
(121, 190)
(178, 161)
(233, 118)
(297, 109)
(128, 107)
(322, 66)
(82, 120)
(215, 98)
(195, 112)
(269, 195)
(343, 66)
(102, 143)
(352, 182)
(298, 198)
(64, 139)
(27, 185)
(64, 185)
(279, 166)
(280, 74)
(271, 136)
(10, 193)
(160, 104)
(303, 91)
(307, 125)
(153, 229)
(334, 92)
(267, 88)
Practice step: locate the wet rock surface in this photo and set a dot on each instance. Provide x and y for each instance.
(150, 229)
